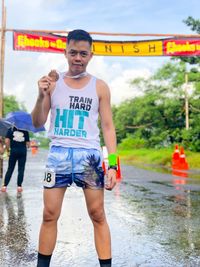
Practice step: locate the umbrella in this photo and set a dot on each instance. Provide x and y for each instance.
(4, 126)
(22, 120)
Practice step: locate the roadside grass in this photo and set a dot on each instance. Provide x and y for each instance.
(161, 157)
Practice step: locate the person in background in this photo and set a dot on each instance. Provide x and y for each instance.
(1, 146)
(17, 142)
(76, 99)
(1, 156)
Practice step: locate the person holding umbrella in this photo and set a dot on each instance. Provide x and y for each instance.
(16, 141)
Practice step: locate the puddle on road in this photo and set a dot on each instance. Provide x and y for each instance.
(165, 214)
(193, 173)
(154, 220)
(15, 245)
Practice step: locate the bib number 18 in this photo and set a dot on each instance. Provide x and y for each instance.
(49, 178)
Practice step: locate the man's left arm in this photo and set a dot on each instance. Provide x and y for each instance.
(107, 126)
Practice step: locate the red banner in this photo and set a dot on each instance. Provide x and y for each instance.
(184, 47)
(41, 42)
(38, 42)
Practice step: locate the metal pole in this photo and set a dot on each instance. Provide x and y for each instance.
(111, 33)
(1, 65)
(186, 103)
(2, 56)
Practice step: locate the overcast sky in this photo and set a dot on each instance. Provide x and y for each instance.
(23, 69)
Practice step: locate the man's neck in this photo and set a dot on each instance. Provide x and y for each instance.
(80, 75)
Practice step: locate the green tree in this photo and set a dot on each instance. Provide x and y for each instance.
(10, 103)
(158, 116)
(194, 25)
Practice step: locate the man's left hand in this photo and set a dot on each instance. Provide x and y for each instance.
(110, 179)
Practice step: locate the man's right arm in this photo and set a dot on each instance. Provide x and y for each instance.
(40, 111)
(43, 103)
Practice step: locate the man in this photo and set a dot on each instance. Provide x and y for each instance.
(75, 99)
(16, 142)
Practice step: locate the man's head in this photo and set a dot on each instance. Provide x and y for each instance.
(79, 35)
(78, 52)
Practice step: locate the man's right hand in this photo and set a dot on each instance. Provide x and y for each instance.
(45, 85)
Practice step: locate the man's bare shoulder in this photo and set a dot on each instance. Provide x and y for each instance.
(102, 87)
(101, 83)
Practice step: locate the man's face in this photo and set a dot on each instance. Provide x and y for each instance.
(78, 54)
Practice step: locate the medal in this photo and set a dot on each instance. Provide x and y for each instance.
(54, 75)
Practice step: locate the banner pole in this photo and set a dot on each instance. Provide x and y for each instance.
(186, 103)
(169, 35)
(2, 57)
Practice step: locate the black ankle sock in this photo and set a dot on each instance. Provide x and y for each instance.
(43, 260)
(105, 263)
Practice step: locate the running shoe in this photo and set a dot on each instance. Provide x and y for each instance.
(19, 189)
(3, 189)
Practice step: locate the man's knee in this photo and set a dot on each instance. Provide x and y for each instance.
(97, 215)
(50, 216)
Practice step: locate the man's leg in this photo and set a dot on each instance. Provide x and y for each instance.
(53, 199)
(95, 206)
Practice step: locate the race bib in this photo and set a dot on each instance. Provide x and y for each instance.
(49, 178)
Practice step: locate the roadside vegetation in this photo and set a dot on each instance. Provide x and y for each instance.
(156, 158)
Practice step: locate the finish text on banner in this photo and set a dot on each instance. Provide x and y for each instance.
(141, 48)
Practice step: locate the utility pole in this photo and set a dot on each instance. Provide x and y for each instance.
(2, 56)
(186, 103)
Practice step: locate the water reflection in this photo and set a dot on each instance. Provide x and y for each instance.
(180, 179)
(164, 213)
(182, 198)
(14, 237)
(162, 169)
(183, 208)
(117, 190)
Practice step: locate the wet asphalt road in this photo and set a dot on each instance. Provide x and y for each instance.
(153, 217)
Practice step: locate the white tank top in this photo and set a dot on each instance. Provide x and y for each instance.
(74, 115)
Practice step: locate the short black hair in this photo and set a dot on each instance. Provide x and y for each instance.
(79, 35)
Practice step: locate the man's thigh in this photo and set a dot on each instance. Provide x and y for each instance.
(53, 198)
(58, 168)
(94, 199)
(87, 168)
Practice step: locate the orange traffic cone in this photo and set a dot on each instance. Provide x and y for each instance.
(180, 173)
(183, 165)
(34, 150)
(175, 158)
(176, 155)
(104, 166)
(119, 174)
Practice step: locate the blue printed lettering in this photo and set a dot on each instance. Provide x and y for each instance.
(82, 114)
(70, 121)
(70, 132)
(61, 118)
